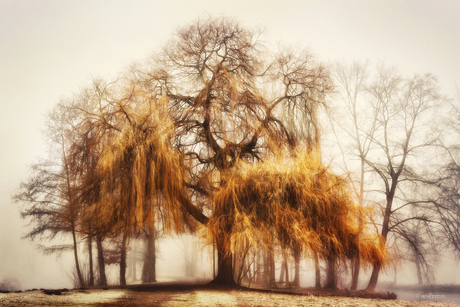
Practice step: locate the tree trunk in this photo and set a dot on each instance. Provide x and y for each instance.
(374, 278)
(317, 272)
(123, 260)
(132, 263)
(90, 258)
(385, 228)
(269, 268)
(213, 260)
(257, 267)
(286, 270)
(224, 263)
(100, 261)
(419, 270)
(245, 269)
(272, 280)
(355, 273)
(148, 269)
(77, 264)
(242, 268)
(376, 268)
(266, 267)
(248, 272)
(357, 260)
(281, 280)
(331, 280)
(297, 252)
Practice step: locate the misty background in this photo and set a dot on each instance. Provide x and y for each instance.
(50, 49)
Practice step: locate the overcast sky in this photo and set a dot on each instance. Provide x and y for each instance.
(49, 49)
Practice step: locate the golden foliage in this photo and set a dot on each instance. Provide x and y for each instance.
(297, 200)
(139, 173)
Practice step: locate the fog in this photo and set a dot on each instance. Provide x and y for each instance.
(50, 49)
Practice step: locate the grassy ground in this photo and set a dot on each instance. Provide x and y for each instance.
(174, 295)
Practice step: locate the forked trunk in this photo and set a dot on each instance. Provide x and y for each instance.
(77, 264)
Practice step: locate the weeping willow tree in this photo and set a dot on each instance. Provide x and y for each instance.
(225, 90)
(137, 179)
(297, 201)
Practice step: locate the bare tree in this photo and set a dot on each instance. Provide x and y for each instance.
(402, 109)
(448, 207)
(50, 194)
(387, 125)
(448, 196)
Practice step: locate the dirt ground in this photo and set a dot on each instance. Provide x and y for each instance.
(187, 295)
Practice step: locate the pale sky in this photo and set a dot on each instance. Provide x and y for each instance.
(49, 49)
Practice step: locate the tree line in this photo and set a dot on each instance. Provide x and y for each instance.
(217, 132)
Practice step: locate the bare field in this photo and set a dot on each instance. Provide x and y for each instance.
(191, 297)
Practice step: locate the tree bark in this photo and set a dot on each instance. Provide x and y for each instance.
(331, 280)
(90, 258)
(75, 253)
(374, 278)
(286, 270)
(385, 228)
(297, 252)
(123, 260)
(149, 269)
(100, 261)
(355, 273)
(224, 263)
